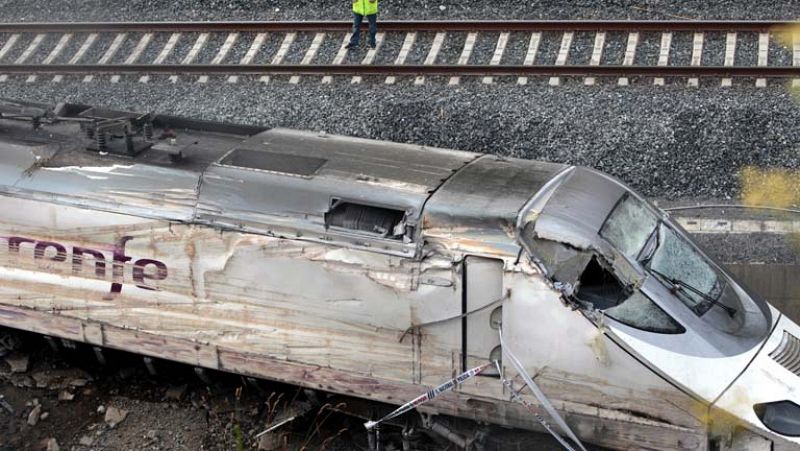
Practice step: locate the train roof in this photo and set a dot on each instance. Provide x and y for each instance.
(281, 182)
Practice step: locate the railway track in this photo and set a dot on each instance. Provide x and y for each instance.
(714, 52)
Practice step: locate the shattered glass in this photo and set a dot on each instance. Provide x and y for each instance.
(601, 289)
(640, 312)
(676, 259)
(629, 226)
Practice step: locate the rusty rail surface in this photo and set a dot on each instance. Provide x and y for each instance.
(463, 25)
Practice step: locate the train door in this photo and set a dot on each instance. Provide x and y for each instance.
(483, 284)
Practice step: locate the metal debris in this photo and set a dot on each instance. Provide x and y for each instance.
(548, 406)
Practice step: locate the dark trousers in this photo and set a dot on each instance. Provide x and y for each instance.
(358, 19)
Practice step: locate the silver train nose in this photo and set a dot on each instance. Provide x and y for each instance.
(766, 396)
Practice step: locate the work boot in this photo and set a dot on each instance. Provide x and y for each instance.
(372, 45)
(351, 46)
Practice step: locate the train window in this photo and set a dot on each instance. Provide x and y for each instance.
(641, 312)
(600, 289)
(376, 221)
(677, 264)
(629, 226)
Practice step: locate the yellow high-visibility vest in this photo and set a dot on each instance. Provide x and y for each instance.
(365, 7)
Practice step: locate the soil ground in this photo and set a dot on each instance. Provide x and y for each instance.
(83, 405)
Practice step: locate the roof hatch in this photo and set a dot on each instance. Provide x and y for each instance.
(299, 165)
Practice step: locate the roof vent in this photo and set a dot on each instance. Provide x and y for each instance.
(376, 221)
(274, 162)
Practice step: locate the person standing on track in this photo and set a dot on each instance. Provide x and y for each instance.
(361, 8)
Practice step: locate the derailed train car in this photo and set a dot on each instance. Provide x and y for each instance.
(377, 270)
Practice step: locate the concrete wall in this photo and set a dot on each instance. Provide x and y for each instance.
(779, 284)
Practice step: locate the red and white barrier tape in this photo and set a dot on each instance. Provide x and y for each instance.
(431, 394)
(461, 378)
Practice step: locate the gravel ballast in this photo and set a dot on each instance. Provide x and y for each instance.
(670, 142)
(760, 248)
(179, 10)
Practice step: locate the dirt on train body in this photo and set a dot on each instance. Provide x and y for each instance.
(380, 270)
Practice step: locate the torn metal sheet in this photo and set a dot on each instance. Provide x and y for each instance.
(476, 210)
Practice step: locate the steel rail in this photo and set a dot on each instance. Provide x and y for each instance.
(353, 69)
(407, 26)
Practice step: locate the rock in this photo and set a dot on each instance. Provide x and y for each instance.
(33, 417)
(86, 440)
(271, 441)
(101, 409)
(61, 378)
(44, 416)
(115, 416)
(78, 382)
(42, 379)
(65, 395)
(9, 342)
(175, 393)
(18, 362)
(52, 445)
(4, 404)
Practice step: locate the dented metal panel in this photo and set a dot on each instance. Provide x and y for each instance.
(577, 209)
(402, 167)
(18, 160)
(282, 205)
(134, 188)
(476, 210)
(271, 197)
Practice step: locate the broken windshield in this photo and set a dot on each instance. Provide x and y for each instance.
(675, 261)
(629, 226)
(639, 234)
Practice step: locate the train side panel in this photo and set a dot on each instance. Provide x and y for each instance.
(312, 314)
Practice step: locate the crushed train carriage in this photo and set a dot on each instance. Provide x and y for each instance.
(377, 269)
